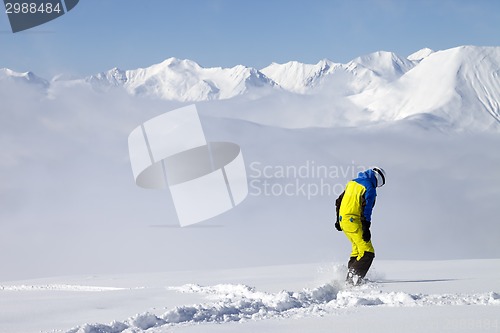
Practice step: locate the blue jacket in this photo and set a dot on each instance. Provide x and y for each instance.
(368, 180)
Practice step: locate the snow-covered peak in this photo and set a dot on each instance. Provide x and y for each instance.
(420, 54)
(185, 80)
(322, 66)
(113, 77)
(175, 63)
(298, 77)
(5, 72)
(27, 77)
(385, 64)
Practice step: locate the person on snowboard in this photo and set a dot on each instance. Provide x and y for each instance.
(354, 211)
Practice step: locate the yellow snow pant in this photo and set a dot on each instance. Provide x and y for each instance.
(351, 225)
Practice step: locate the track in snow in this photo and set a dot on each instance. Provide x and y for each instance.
(233, 303)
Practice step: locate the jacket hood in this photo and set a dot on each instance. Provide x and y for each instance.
(369, 175)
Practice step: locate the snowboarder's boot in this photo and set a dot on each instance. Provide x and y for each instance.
(353, 278)
(363, 264)
(351, 262)
(359, 268)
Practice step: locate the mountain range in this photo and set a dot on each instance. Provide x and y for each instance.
(185, 80)
(457, 87)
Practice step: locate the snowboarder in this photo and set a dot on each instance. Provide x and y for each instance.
(354, 212)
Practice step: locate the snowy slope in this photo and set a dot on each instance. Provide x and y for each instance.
(294, 298)
(184, 80)
(459, 87)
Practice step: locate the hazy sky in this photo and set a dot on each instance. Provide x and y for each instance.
(100, 34)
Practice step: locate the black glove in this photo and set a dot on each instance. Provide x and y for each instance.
(337, 226)
(367, 235)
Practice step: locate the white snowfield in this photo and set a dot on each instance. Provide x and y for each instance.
(278, 298)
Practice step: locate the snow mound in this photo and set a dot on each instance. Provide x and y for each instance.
(271, 303)
(237, 303)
